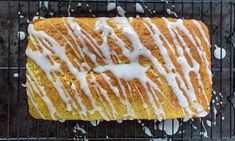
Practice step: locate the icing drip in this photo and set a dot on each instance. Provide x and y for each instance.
(147, 131)
(37, 17)
(101, 25)
(21, 35)
(43, 4)
(121, 11)
(95, 122)
(83, 109)
(121, 71)
(205, 134)
(208, 122)
(139, 8)
(139, 49)
(170, 126)
(219, 52)
(170, 12)
(15, 75)
(77, 128)
(111, 6)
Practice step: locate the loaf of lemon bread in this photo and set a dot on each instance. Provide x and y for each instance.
(118, 68)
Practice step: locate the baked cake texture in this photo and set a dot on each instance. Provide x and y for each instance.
(118, 68)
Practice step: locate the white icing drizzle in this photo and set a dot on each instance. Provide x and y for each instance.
(101, 25)
(170, 77)
(40, 90)
(42, 61)
(186, 68)
(70, 33)
(179, 24)
(195, 64)
(130, 110)
(139, 49)
(198, 25)
(83, 109)
(124, 73)
(82, 38)
(201, 53)
(31, 97)
(114, 89)
(45, 65)
(104, 104)
(105, 95)
(143, 101)
(121, 71)
(205, 60)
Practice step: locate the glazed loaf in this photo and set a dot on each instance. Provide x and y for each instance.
(118, 68)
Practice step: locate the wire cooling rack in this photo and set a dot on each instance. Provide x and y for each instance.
(17, 124)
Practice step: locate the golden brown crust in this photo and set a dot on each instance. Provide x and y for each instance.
(55, 28)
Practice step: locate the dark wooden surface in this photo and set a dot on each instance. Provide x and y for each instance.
(13, 97)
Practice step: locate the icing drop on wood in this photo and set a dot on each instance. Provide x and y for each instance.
(147, 131)
(95, 122)
(111, 6)
(219, 52)
(139, 8)
(121, 11)
(16, 75)
(77, 128)
(21, 35)
(168, 126)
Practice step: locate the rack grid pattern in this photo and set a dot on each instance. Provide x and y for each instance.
(17, 124)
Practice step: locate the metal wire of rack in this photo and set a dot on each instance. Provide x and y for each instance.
(17, 124)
